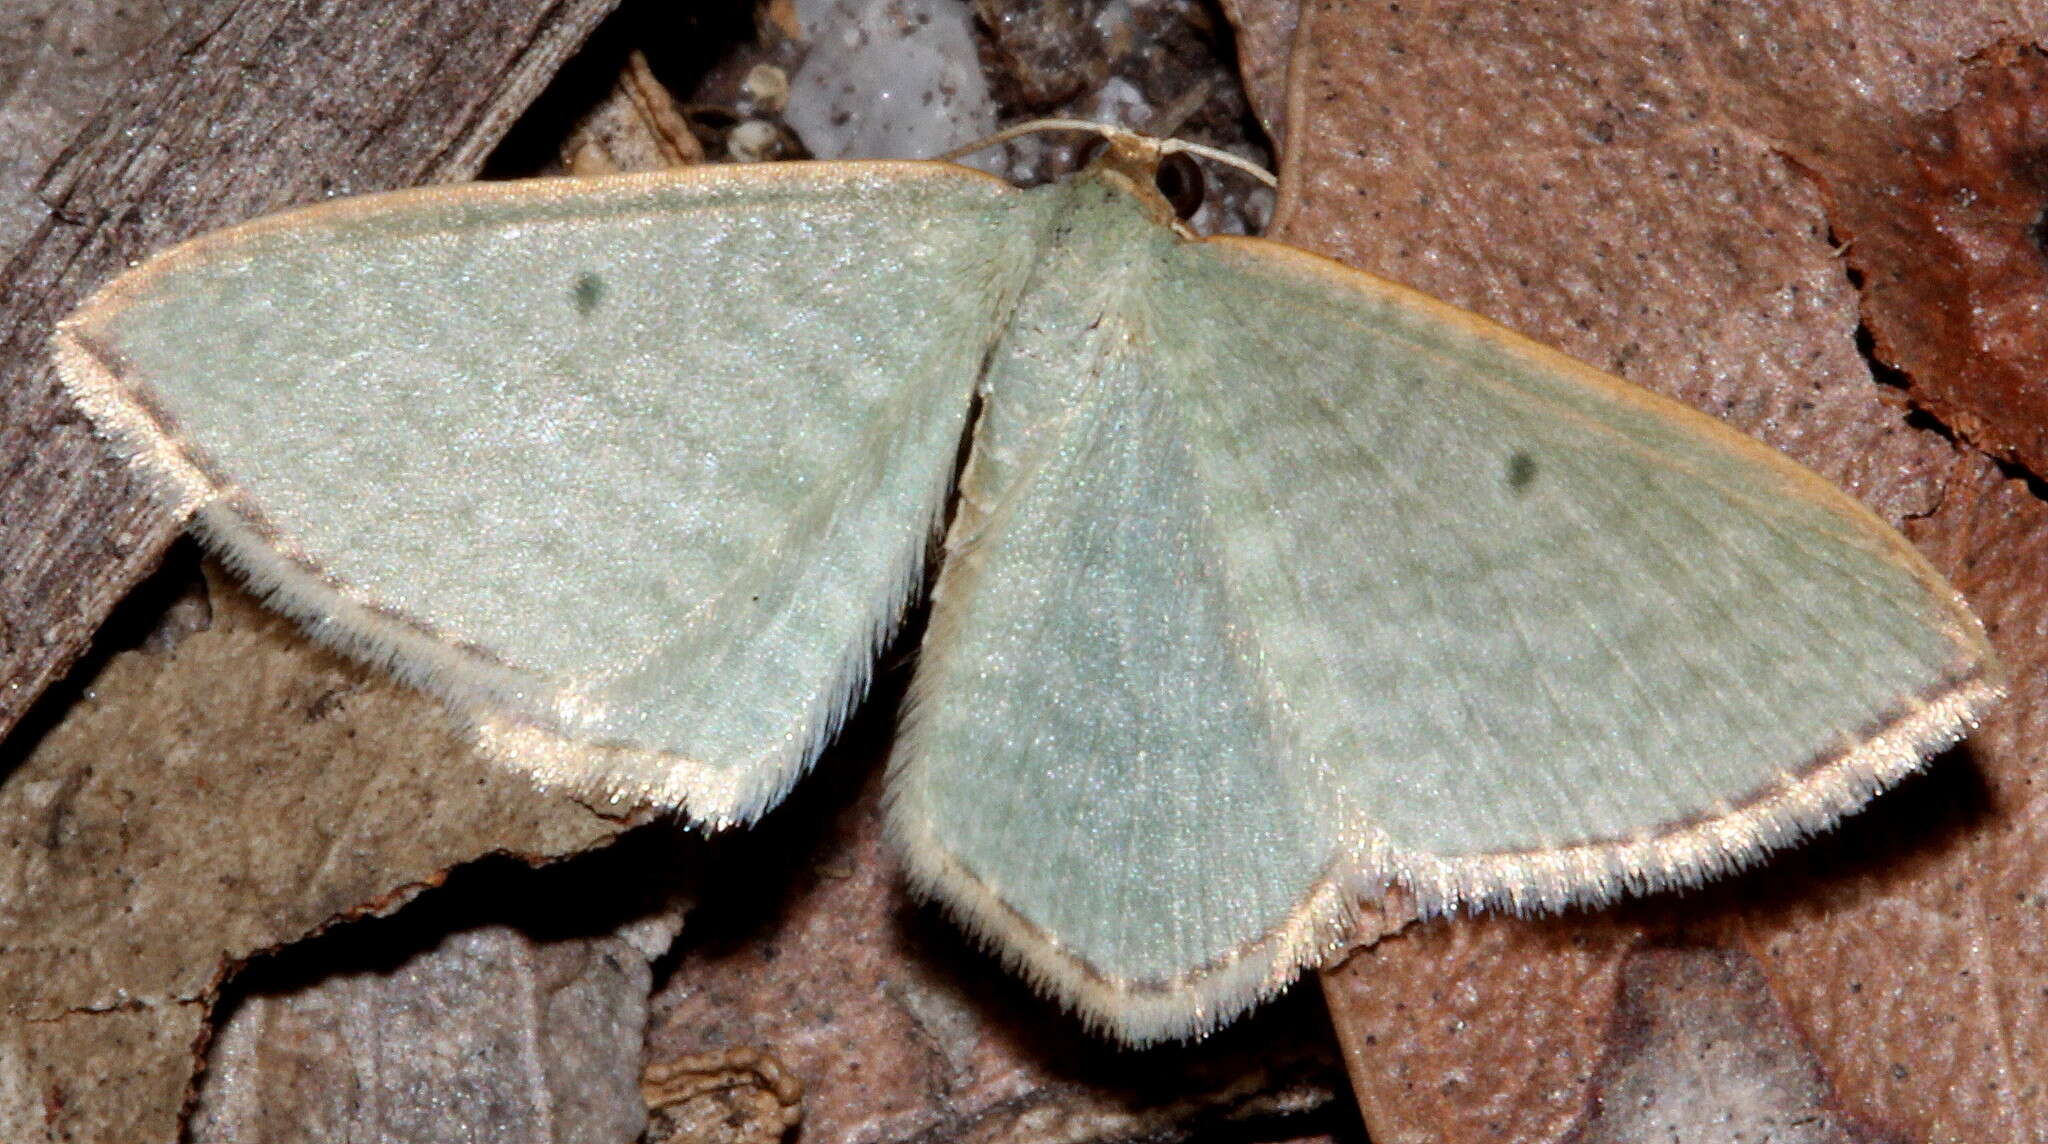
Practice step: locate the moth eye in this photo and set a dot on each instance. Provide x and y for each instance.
(1181, 184)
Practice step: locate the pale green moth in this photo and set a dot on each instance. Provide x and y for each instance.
(1270, 582)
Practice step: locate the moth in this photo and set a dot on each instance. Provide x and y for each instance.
(1270, 584)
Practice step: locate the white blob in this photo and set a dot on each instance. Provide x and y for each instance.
(892, 79)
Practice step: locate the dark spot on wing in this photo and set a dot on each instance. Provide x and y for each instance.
(1521, 472)
(587, 293)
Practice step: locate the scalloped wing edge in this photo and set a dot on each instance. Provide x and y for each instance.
(1204, 999)
(494, 702)
(490, 700)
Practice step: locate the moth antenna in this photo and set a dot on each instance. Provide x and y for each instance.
(1112, 132)
(1219, 155)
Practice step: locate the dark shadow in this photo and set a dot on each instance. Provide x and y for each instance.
(169, 603)
(681, 42)
(754, 875)
(1942, 806)
(586, 896)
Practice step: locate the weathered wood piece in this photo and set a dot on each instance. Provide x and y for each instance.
(240, 107)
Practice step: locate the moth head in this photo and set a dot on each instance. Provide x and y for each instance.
(1161, 174)
(1166, 180)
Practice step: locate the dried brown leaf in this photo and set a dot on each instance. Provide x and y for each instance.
(230, 795)
(1942, 216)
(1616, 180)
(1264, 36)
